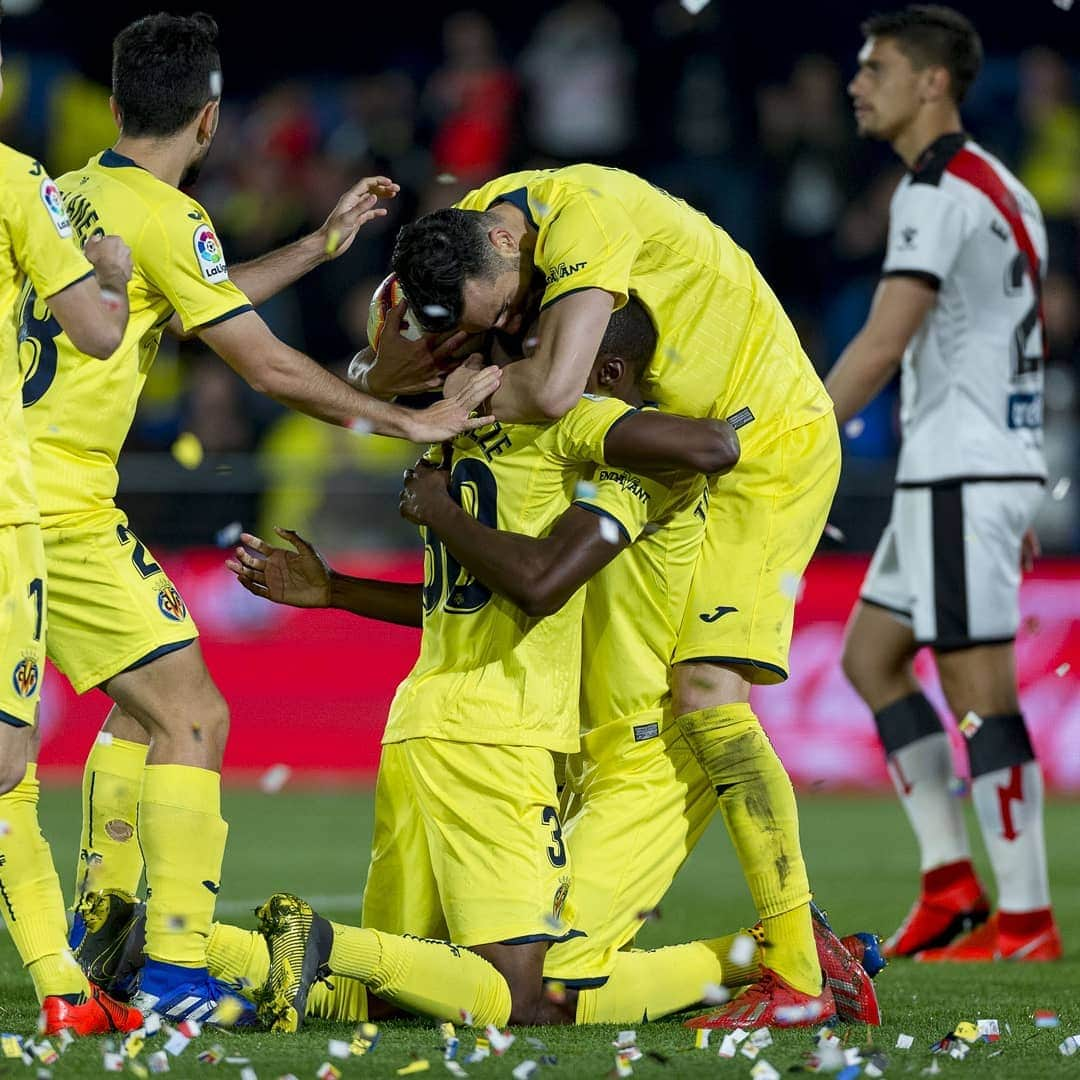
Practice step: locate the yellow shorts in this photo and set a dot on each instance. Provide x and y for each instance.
(468, 846)
(111, 607)
(634, 807)
(765, 520)
(23, 619)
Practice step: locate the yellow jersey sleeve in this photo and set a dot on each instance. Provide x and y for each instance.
(590, 243)
(579, 436)
(181, 254)
(631, 499)
(41, 235)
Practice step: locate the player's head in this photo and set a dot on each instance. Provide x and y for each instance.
(626, 349)
(923, 56)
(462, 269)
(166, 82)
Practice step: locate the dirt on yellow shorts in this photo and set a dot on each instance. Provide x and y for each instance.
(635, 804)
(468, 845)
(111, 606)
(23, 622)
(765, 520)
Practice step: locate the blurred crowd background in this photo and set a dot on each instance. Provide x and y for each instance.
(743, 112)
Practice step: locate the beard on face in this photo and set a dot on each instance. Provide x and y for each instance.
(191, 173)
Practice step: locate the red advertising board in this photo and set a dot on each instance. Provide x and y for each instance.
(310, 689)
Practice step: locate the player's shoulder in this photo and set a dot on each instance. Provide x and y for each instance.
(19, 173)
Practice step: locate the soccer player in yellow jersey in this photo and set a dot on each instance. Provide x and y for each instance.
(116, 621)
(579, 241)
(88, 294)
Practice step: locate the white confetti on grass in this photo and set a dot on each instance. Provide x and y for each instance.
(905, 1042)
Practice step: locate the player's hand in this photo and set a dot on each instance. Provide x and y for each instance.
(454, 414)
(355, 208)
(300, 578)
(425, 486)
(111, 260)
(410, 367)
(1030, 550)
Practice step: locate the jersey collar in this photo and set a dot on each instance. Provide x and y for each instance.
(932, 162)
(110, 159)
(520, 199)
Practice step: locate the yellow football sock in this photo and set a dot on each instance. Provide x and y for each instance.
(344, 999)
(109, 855)
(434, 978)
(32, 902)
(238, 956)
(757, 803)
(646, 985)
(182, 835)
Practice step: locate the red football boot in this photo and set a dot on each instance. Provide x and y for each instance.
(851, 985)
(98, 1015)
(952, 902)
(1031, 937)
(770, 1002)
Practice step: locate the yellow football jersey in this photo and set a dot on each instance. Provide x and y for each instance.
(488, 673)
(79, 409)
(725, 343)
(36, 246)
(634, 605)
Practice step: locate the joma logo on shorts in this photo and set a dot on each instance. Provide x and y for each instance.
(564, 270)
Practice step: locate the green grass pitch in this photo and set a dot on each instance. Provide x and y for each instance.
(862, 862)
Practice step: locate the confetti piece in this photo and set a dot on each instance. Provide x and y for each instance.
(112, 301)
(229, 1010)
(792, 585)
(609, 531)
(728, 1048)
(466, 1017)
(530, 343)
(854, 428)
(360, 426)
(46, 1053)
(749, 1050)
(525, 1070)
(499, 1041)
(446, 178)
(764, 1071)
(742, 951)
(11, 1045)
(481, 1051)
(274, 779)
(958, 787)
(849, 1072)
(555, 991)
(1046, 1018)
(624, 1039)
(833, 533)
(584, 490)
(695, 7)
(623, 1066)
(790, 1015)
(761, 1038)
(988, 1030)
(715, 994)
(113, 1062)
(158, 1062)
(970, 724)
(455, 1069)
(134, 1043)
(875, 1068)
(852, 1056)
(1062, 670)
(365, 1039)
(215, 1055)
(104, 738)
(248, 1073)
(1060, 489)
(932, 1069)
(536, 1044)
(905, 1042)
(959, 1050)
(229, 535)
(338, 1048)
(1070, 1045)
(237, 1061)
(188, 451)
(966, 1030)
(64, 1038)
(435, 311)
(739, 1034)
(701, 1039)
(652, 915)
(418, 1066)
(333, 241)
(326, 1071)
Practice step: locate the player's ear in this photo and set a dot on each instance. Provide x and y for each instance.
(935, 83)
(117, 116)
(504, 240)
(208, 121)
(612, 370)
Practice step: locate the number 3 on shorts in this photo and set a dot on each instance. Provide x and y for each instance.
(556, 853)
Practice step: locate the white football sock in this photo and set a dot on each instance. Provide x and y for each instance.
(922, 772)
(1009, 805)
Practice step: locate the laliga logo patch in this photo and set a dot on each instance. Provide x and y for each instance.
(25, 677)
(209, 255)
(171, 605)
(54, 203)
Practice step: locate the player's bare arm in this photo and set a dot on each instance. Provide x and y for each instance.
(303, 578)
(871, 359)
(93, 312)
(656, 443)
(539, 574)
(271, 367)
(568, 337)
(260, 279)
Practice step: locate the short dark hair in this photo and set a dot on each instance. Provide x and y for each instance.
(165, 69)
(630, 335)
(931, 35)
(435, 254)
